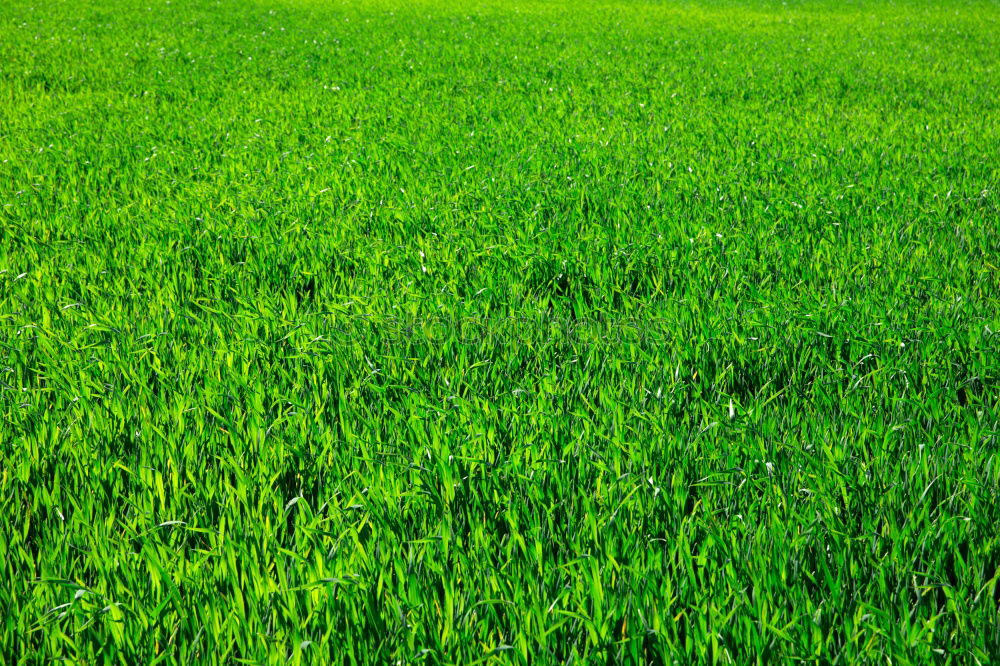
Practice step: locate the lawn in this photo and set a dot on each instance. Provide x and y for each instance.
(527, 331)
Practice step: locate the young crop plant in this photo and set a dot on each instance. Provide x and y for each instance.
(499, 332)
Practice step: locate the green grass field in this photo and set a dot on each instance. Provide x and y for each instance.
(525, 331)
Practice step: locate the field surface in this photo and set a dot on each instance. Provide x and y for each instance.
(499, 332)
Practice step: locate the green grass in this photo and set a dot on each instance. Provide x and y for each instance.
(518, 332)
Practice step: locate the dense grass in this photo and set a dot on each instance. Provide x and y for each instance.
(527, 332)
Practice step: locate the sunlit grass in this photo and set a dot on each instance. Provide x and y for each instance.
(528, 332)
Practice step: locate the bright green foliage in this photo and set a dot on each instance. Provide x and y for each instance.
(263, 398)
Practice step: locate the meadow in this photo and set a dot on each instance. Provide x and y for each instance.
(499, 331)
